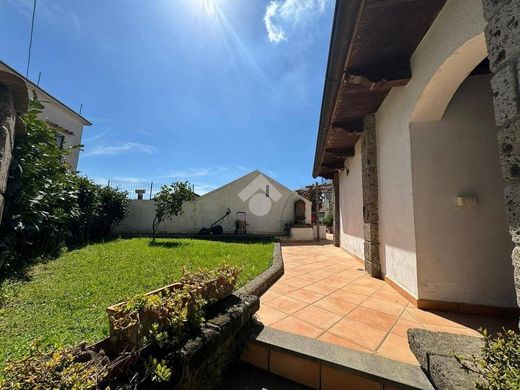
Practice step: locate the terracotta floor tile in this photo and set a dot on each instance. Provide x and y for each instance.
(297, 282)
(396, 348)
(384, 306)
(408, 317)
(372, 317)
(296, 326)
(335, 282)
(401, 327)
(335, 305)
(331, 338)
(318, 317)
(390, 297)
(306, 295)
(359, 289)
(321, 287)
(286, 304)
(282, 288)
(268, 295)
(362, 334)
(268, 315)
(368, 281)
(433, 318)
(348, 296)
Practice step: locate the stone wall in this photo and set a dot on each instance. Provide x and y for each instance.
(370, 196)
(7, 123)
(13, 102)
(503, 41)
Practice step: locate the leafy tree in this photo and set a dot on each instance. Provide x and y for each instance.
(168, 202)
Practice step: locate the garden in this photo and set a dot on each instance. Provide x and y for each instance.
(62, 272)
(64, 301)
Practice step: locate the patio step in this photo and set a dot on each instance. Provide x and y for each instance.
(320, 365)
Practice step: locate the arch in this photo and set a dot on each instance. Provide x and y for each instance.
(440, 89)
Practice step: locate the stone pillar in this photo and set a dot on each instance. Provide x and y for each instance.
(335, 183)
(7, 123)
(370, 196)
(503, 42)
(13, 101)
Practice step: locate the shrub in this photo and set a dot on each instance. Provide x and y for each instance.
(47, 204)
(499, 365)
(40, 199)
(56, 368)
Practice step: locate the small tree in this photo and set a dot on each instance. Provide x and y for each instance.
(168, 202)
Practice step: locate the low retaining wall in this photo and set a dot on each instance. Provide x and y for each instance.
(259, 285)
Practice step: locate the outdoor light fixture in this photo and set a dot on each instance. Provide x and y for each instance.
(466, 200)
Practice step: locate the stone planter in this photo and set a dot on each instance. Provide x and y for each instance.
(125, 327)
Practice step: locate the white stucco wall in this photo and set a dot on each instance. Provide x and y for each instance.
(203, 211)
(458, 22)
(56, 113)
(463, 253)
(351, 206)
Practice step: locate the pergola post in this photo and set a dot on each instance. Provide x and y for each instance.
(503, 42)
(335, 182)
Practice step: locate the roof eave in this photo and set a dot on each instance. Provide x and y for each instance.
(341, 36)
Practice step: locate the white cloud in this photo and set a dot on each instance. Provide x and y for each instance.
(282, 15)
(274, 33)
(119, 149)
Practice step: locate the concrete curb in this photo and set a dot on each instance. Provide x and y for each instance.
(259, 285)
(389, 373)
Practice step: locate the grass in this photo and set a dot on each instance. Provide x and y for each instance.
(63, 302)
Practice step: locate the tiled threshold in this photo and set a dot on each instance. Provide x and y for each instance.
(320, 365)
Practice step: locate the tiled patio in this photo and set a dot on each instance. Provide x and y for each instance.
(326, 294)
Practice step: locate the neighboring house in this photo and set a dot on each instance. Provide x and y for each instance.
(66, 121)
(407, 132)
(267, 204)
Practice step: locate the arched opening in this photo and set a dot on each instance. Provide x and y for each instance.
(463, 244)
(444, 83)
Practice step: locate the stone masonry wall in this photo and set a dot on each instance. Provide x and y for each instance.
(370, 196)
(503, 42)
(7, 127)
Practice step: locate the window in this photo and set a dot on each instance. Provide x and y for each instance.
(60, 140)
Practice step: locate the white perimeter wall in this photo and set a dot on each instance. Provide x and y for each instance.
(351, 206)
(458, 22)
(203, 211)
(463, 252)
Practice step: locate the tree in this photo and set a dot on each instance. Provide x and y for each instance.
(168, 202)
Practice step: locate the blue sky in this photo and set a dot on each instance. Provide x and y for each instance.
(198, 90)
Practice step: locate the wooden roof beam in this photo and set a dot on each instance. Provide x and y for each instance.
(340, 152)
(334, 166)
(380, 77)
(354, 126)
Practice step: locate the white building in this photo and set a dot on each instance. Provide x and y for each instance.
(267, 205)
(58, 115)
(408, 133)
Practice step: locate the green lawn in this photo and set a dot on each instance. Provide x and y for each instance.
(64, 300)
